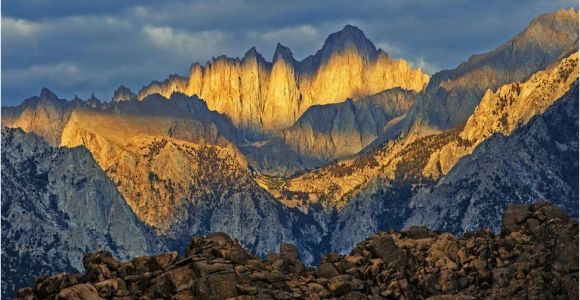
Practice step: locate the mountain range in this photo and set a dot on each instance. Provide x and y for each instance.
(321, 152)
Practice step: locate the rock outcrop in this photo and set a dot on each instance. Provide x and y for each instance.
(536, 256)
(262, 97)
(333, 131)
(57, 204)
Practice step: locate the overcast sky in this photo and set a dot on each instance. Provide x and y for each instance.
(78, 47)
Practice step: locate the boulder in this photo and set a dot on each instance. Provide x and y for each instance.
(383, 246)
(342, 284)
(219, 238)
(538, 260)
(417, 232)
(327, 270)
(514, 216)
(83, 291)
(290, 252)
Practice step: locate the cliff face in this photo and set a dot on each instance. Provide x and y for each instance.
(510, 107)
(546, 40)
(537, 161)
(332, 131)
(451, 96)
(383, 182)
(173, 163)
(56, 205)
(262, 97)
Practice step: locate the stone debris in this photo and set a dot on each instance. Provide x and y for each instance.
(535, 256)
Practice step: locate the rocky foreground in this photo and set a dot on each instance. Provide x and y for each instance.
(535, 256)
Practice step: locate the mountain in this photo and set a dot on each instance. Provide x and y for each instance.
(536, 256)
(57, 205)
(393, 158)
(506, 109)
(173, 162)
(452, 95)
(262, 97)
(123, 93)
(537, 161)
(45, 115)
(329, 150)
(184, 117)
(332, 131)
(360, 192)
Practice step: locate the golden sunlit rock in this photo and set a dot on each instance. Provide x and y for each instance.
(263, 97)
(510, 107)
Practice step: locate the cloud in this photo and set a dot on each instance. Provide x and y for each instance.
(183, 43)
(18, 27)
(420, 62)
(290, 34)
(64, 70)
(84, 46)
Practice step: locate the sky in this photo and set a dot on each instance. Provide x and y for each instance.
(81, 47)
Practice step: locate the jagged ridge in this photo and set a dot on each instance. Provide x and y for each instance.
(266, 97)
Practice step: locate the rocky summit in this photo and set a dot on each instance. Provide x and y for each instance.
(535, 256)
(261, 96)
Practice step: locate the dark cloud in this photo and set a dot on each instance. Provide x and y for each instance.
(79, 47)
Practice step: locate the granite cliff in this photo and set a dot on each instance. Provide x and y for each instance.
(505, 110)
(263, 97)
(452, 95)
(56, 205)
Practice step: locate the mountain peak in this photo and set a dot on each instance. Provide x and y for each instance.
(93, 98)
(349, 37)
(47, 94)
(123, 93)
(253, 54)
(351, 29)
(283, 52)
